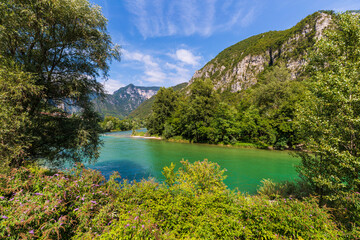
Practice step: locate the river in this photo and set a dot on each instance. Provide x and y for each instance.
(137, 158)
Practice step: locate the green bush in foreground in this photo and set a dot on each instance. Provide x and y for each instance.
(195, 203)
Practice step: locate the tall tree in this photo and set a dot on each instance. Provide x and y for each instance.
(276, 98)
(162, 109)
(65, 46)
(331, 115)
(199, 111)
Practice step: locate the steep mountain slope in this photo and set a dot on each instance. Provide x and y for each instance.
(144, 109)
(237, 67)
(124, 101)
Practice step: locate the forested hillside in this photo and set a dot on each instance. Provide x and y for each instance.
(248, 93)
(238, 67)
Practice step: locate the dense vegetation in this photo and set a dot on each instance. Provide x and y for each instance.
(111, 123)
(329, 117)
(51, 53)
(194, 203)
(263, 115)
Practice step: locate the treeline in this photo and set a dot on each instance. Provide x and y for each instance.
(111, 123)
(263, 115)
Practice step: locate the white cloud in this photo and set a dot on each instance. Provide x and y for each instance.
(151, 68)
(111, 85)
(179, 74)
(161, 68)
(187, 57)
(341, 6)
(187, 17)
(155, 76)
(248, 18)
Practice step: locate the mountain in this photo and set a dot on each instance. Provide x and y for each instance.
(144, 109)
(124, 101)
(237, 67)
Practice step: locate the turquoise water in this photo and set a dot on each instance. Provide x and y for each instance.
(137, 158)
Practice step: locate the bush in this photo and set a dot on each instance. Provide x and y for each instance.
(80, 204)
(296, 189)
(347, 212)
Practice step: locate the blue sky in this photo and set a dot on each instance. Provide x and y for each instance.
(165, 41)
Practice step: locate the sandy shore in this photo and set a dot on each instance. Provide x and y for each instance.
(158, 138)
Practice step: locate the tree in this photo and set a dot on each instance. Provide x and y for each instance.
(198, 111)
(330, 117)
(276, 99)
(16, 90)
(266, 112)
(162, 109)
(225, 125)
(65, 46)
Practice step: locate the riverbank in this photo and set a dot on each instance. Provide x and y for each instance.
(157, 138)
(179, 139)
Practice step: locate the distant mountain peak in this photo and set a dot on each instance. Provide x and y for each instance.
(124, 100)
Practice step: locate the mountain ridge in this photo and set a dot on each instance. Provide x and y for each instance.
(124, 100)
(237, 67)
(144, 109)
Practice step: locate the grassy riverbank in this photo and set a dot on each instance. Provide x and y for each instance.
(194, 202)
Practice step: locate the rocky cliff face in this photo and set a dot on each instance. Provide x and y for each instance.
(237, 67)
(124, 100)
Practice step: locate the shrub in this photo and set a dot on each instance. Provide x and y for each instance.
(80, 204)
(296, 189)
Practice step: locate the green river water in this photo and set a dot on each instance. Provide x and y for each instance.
(136, 158)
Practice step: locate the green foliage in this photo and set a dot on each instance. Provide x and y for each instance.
(272, 108)
(16, 91)
(347, 212)
(162, 109)
(330, 116)
(267, 43)
(225, 125)
(263, 116)
(200, 177)
(196, 114)
(38, 204)
(80, 204)
(63, 45)
(169, 175)
(111, 123)
(139, 133)
(298, 189)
